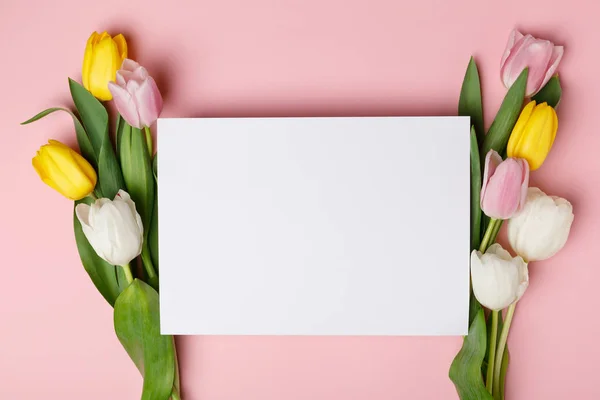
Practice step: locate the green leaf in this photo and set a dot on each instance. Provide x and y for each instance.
(465, 371)
(475, 192)
(137, 171)
(153, 234)
(469, 103)
(137, 325)
(108, 279)
(110, 179)
(85, 146)
(95, 120)
(550, 93)
(92, 113)
(499, 133)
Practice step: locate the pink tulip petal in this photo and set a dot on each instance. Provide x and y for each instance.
(121, 81)
(557, 54)
(524, 183)
(514, 37)
(509, 71)
(129, 65)
(133, 86)
(125, 104)
(492, 160)
(503, 194)
(140, 74)
(149, 102)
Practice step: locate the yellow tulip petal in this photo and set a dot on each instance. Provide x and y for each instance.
(517, 133)
(103, 36)
(55, 176)
(87, 59)
(39, 168)
(105, 62)
(86, 168)
(121, 46)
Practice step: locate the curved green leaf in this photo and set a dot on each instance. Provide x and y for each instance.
(469, 103)
(550, 93)
(499, 133)
(465, 371)
(137, 325)
(153, 234)
(475, 192)
(108, 279)
(85, 146)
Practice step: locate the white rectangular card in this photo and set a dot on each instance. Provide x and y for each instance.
(314, 226)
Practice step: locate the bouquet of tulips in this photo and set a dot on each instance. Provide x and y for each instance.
(115, 210)
(538, 224)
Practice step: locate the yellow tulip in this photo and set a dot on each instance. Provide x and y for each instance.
(63, 169)
(533, 134)
(103, 57)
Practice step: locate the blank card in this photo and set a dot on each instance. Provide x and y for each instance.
(314, 226)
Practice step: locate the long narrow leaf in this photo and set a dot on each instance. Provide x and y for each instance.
(137, 325)
(92, 113)
(85, 146)
(499, 133)
(475, 192)
(469, 103)
(465, 371)
(550, 93)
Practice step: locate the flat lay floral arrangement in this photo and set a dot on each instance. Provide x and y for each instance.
(113, 183)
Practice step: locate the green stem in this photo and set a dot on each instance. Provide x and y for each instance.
(493, 339)
(487, 238)
(497, 227)
(502, 345)
(149, 267)
(127, 271)
(149, 141)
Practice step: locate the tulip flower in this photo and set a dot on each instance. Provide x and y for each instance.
(498, 279)
(541, 229)
(533, 134)
(504, 185)
(136, 95)
(524, 51)
(63, 169)
(103, 57)
(113, 228)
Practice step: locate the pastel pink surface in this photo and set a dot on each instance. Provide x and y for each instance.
(288, 58)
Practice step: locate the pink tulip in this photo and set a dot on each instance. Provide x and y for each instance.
(504, 187)
(136, 95)
(541, 56)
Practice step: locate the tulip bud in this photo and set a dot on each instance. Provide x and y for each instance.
(136, 95)
(113, 228)
(504, 185)
(533, 134)
(540, 56)
(103, 57)
(498, 279)
(63, 169)
(542, 227)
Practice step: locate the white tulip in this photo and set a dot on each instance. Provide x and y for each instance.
(498, 279)
(113, 228)
(542, 227)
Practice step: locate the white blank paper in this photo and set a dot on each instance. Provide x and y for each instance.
(314, 226)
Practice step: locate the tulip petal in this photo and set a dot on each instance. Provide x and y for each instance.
(82, 211)
(529, 53)
(503, 193)
(557, 54)
(121, 45)
(518, 131)
(513, 38)
(125, 104)
(149, 102)
(509, 71)
(106, 61)
(524, 183)
(87, 59)
(492, 160)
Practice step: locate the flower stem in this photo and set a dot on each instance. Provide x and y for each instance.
(127, 271)
(493, 339)
(149, 141)
(489, 237)
(149, 266)
(502, 345)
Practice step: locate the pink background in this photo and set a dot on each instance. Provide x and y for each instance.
(287, 58)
